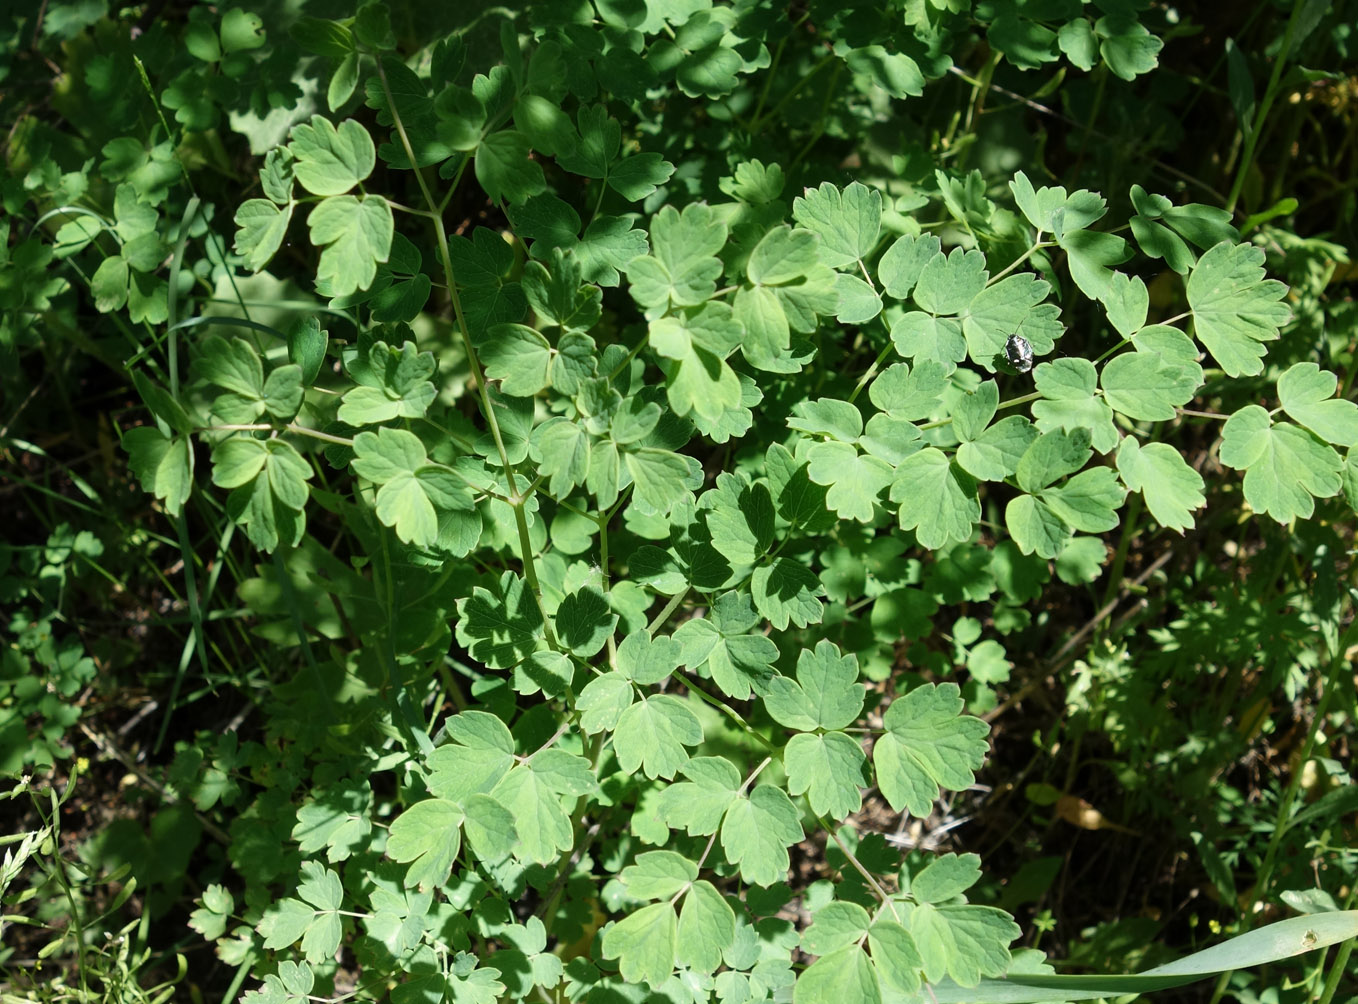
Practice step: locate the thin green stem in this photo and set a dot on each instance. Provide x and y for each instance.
(728, 711)
(666, 611)
(1265, 105)
(1038, 245)
(868, 877)
(300, 430)
(516, 498)
(871, 370)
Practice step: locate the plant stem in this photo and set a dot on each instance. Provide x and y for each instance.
(1038, 245)
(1265, 105)
(516, 500)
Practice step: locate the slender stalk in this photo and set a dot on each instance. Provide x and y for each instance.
(516, 499)
(1038, 245)
(1265, 105)
(868, 877)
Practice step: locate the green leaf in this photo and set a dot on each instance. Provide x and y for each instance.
(355, 235)
(858, 302)
(1070, 401)
(1091, 256)
(392, 383)
(682, 268)
(1035, 527)
(652, 733)
(894, 72)
(739, 517)
(561, 448)
(1003, 309)
(757, 832)
(644, 944)
(738, 662)
(938, 501)
(908, 393)
(964, 942)
(1127, 302)
(263, 225)
(293, 983)
(1286, 468)
(845, 976)
(895, 956)
(785, 591)
(658, 875)
(479, 754)
(1127, 46)
(1171, 488)
(827, 694)
(518, 357)
(584, 621)
(1235, 309)
(707, 927)
(241, 30)
(314, 919)
(929, 745)
(948, 283)
(1306, 393)
(661, 478)
(945, 877)
(1051, 210)
(602, 702)
(783, 255)
(543, 827)
(1141, 385)
(560, 297)
(504, 168)
(338, 819)
(1089, 501)
(1052, 456)
(1077, 40)
(636, 177)
(306, 347)
(695, 344)
(163, 464)
(855, 480)
(698, 804)
(544, 124)
(500, 628)
(835, 925)
(996, 453)
(330, 160)
(828, 769)
(109, 284)
(608, 244)
(489, 827)
(848, 222)
(1024, 43)
(901, 265)
(479, 986)
(411, 490)
(827, 416)
(270, 481)
(283, 391)
(428, 835)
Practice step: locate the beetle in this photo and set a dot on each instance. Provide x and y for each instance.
(1019, 353)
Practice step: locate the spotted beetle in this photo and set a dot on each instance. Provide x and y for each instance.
(1019, 353)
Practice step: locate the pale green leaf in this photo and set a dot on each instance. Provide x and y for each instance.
(929, 745)
(757, 832)
(1171, 488)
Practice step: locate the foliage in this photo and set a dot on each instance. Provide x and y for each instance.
(642, 466)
